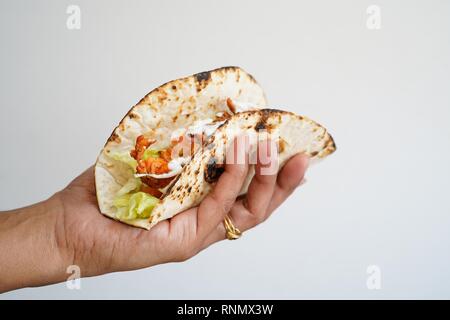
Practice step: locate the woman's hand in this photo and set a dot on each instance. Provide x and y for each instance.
(41, 241)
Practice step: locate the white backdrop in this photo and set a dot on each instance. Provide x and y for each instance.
(381, 199)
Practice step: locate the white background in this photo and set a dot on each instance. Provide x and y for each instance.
(382, 199)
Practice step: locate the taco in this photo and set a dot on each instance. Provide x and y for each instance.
(168, 151)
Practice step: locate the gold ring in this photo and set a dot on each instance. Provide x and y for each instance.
(232, 233)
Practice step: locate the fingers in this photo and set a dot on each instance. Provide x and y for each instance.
(262, 187)
(289, 179)
(265, 194)
(218, 203)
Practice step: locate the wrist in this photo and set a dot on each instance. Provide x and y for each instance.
(62, 252)
(31, 245)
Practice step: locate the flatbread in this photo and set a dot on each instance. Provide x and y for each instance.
(296, 134)
(173, 105)
(178, 104)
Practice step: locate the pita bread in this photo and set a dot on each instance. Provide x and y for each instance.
(178, 104)
(297, 133)
(175, 104)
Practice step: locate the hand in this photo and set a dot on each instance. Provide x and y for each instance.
(100, 245)
(82, 236)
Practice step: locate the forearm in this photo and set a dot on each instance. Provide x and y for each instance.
(30, 254)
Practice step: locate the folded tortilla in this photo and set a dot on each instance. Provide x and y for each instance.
(189, 104)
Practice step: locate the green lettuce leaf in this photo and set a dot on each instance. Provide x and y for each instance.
(137, 205)
(150, 153)
(133, 184)
(125, 158)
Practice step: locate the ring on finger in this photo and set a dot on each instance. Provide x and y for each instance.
(232, 233)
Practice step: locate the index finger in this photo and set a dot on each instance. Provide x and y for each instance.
(218, 203)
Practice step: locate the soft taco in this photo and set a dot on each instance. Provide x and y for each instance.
(168, 151)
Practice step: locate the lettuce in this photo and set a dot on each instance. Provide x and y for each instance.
(137, 205)
(150, 153)
(129, 201)
(133, 184)
(125, 158)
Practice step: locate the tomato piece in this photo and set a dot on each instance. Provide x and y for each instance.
(141, 167)
(142, 144)
(166, 155)
(156, 165)
(231, 105)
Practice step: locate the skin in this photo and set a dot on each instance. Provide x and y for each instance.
(39, 242)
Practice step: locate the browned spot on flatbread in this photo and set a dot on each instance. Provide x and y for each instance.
(260, 126)
(263, 123)
(162, 96)
(211, 139)
(213, 170)
(114, 137)
(267, 111)
(251, 78)
(133, 115)
(172, 184)
(202, 79)
(203, 76)
(330, 145)
(281, 145)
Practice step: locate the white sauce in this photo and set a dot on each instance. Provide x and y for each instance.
(177, 133)
(198, 127)
(240, 106)
(209, 129)
(178, 163)
(206, 126)
(244, 106)
(175, 167)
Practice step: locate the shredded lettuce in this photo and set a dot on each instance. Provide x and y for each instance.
(125, 158)
(137, 205)
(129, 201)
(133, 184)
(150, 153)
